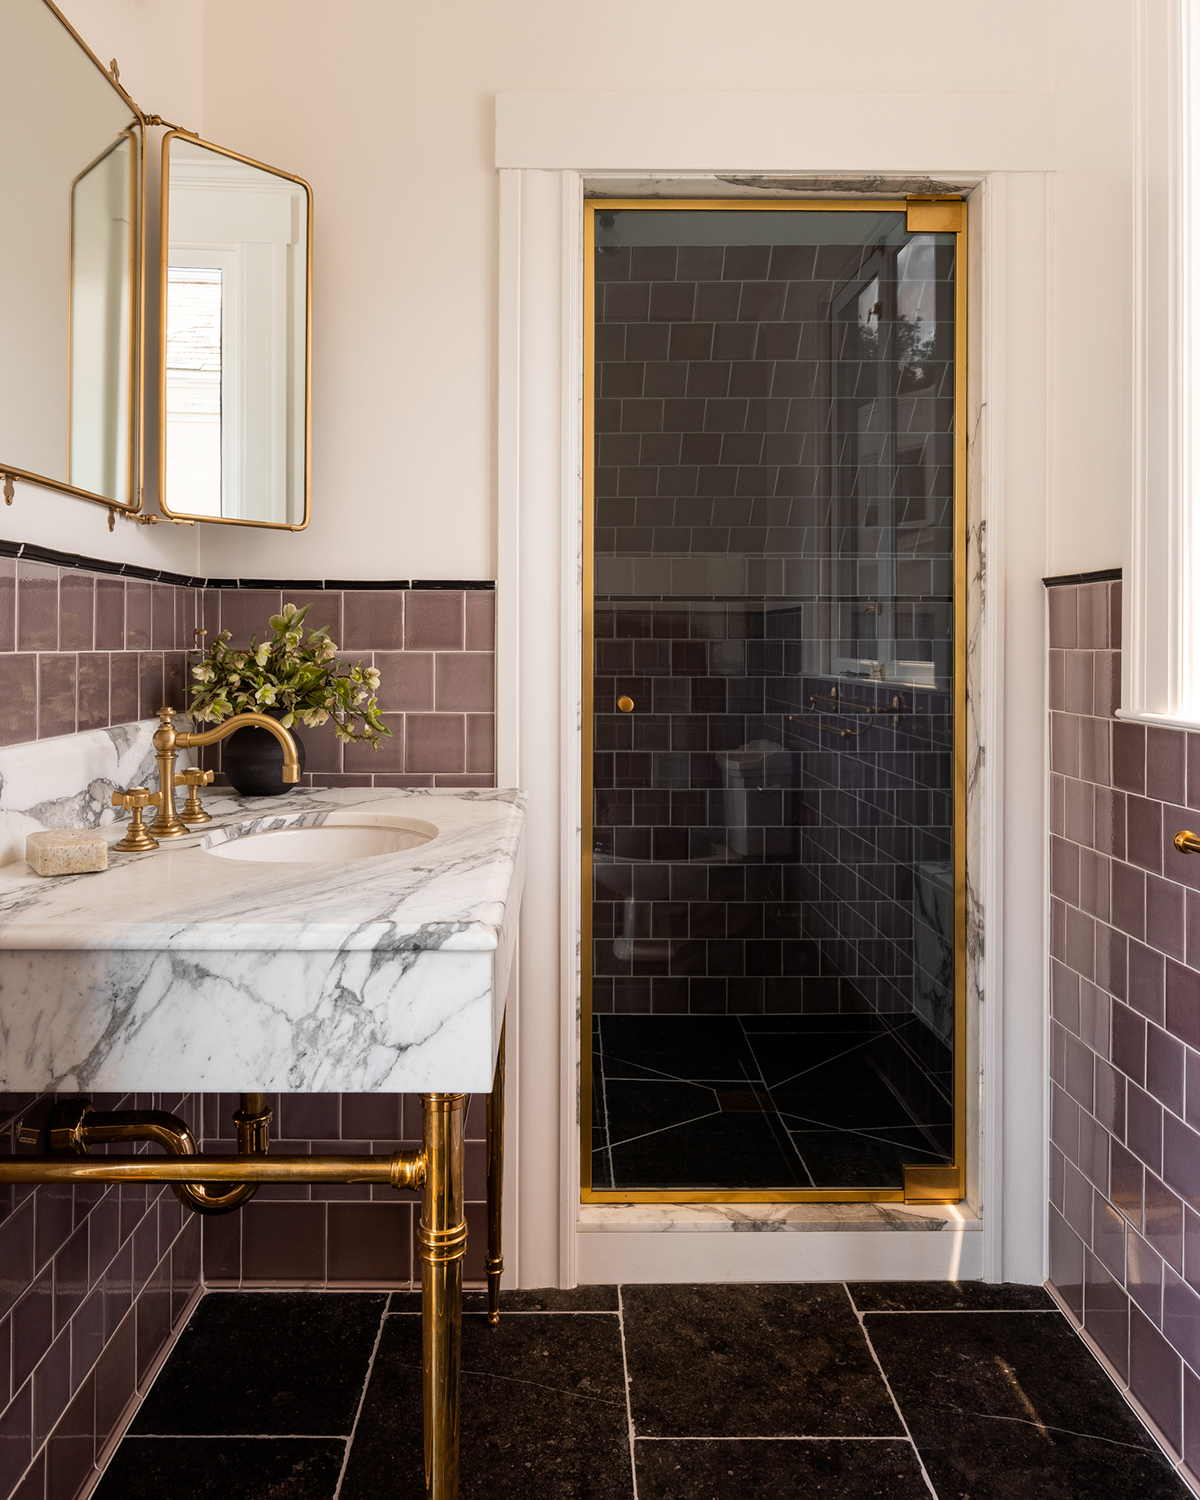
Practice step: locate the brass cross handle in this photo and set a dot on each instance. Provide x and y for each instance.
(137, 799)
(194, 778)
(1187, 843)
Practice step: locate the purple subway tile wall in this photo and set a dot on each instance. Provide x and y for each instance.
(94, 1284)
(1125, 1021)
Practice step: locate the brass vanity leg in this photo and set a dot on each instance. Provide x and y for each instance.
(442, 1238)
(495, 1184)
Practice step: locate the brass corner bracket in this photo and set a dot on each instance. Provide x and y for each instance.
(934, 214)
(940, 1184)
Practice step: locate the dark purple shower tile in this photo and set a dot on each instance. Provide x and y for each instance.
(1094, 884)
(1129, 1042)
(1164, 916)
(1108, 1236)
(1181, 1160)
(480, 607)
(1064, 1123)
(1107, 683)
(325, 609)
(1112, 962)
(1095, 752)
(32, 1326)
(1166, 764)
(1144, 832)
(70, 1452)
(1066, 1263)
(1181, 1316)
(434, 621)
(1109, 1096)
(1106, 1312)
(1129, 756)
(1128, 899)
(70, 1277)
(18, 698)
(176, 679)
(110, 614)
(185, 618)
(123, 687)
(283, 1242)
(1185, 868)
(1056, 681)
(1064, 870)
(1064, 615)
(1114, 614)
(1162, 1220)
(210, 615)
(150, 684)
(1126, 1174)
(8, 603)
(1155, 1375)
(1079, 801)
(16, 1446)
(1144, 1126)
(405, 681)
(389, 757)
(1110, 822)
(373, 619)
(1147, 982)
(1077, 682)
(1057, 812)
(465, 683)
(116, 1380)
(1093, 613)
(1080, 946)
(1164, 1068)
(76, 609)
(1094, 1008)
(162, 618)
(1144, 1273)
(435, 742)
(93, 690)
(245, 612)
(322, 748)
(56, 694)
(1064, 744)
(1064, 995)
(309, 1116)
(1058, 929)
(1183, 1003)
(1193, 771)
(137, 615)
(51, 1387)
(1094, 1143)
(373, 1117)
(37, 607)
(1078, 1068)
(16, 1254)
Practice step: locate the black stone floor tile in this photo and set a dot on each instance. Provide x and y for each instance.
(751, 1361)
(543, 1412)
(223, 1469)
(720, 1151)
(279, 1363)
(949, 1296)
(638, 1107)
(544, 1299)
(1013, 1406)
(778, 1470)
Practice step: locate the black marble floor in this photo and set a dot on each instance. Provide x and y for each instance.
(867, 1391)
(837, 1100)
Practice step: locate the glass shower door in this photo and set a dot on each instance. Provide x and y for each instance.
(773, 985)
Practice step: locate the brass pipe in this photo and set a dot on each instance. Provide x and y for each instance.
(406, 1169)
(1187, 843)
(495, 1183)
(442, 1238)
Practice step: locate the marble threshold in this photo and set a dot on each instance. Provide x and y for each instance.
(773, 1218)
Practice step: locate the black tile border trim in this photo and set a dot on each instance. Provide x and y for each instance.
(1105, 575)
(29, 552)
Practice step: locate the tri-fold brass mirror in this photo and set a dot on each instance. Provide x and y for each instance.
(234, 328)
(70, 263)
(233, 319)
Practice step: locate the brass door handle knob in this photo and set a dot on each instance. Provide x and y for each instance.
(625, 705)
(1187, 843)
(137, 799)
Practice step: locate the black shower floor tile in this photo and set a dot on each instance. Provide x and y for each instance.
(543, 1411)
(779, 1470)
(719, 1151)
(1009, 1405)
(949, 1296)
(752, 1361)
(223, 1469)
(283, 1363)
(702, 1049)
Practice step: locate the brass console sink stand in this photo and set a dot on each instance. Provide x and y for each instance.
(436, 1171)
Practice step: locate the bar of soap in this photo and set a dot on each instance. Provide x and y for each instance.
(66, 851)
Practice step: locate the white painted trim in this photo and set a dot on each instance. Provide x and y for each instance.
(1161, 721)
(775, 131)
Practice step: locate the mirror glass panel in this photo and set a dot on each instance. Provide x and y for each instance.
(70, 178)
(235, 332)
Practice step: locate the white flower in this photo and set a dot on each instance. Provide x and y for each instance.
(260, 656)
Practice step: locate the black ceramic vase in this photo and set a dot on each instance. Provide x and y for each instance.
(252, 759)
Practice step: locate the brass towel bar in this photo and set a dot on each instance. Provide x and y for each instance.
(1187, 843)
(406, 1169)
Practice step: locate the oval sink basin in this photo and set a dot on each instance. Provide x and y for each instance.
(327, 844)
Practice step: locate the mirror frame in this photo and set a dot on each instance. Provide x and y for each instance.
(137, 132)
(164, 249)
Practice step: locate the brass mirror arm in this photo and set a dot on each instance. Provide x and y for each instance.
(1187, 843)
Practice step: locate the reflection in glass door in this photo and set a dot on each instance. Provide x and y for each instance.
(774, 914)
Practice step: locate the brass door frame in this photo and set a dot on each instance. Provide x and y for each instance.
(940, 1184)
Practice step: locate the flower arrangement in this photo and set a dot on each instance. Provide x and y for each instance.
(303, 678)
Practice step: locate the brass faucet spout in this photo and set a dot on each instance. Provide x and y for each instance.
(291, 766)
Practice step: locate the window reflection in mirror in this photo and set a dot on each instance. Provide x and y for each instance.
(70, 183)
(235, 338)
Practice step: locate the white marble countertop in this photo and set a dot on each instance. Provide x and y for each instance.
(176, 969)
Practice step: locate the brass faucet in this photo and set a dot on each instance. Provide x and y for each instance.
(168, 741)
